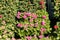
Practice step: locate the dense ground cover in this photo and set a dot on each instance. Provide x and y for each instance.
(25, 20)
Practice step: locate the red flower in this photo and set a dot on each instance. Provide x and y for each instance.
(41, 2)
(55, 27)
(0, 16)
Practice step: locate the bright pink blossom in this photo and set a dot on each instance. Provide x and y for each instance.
(18, 16)
(43, 23)
(18, 13)
(28, 14)
(41, 36)
(34, 16)
(44, 17)
(28, 37)
(24, 16)
(43, 29)
(19, 25)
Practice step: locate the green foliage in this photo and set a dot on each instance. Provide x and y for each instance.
(9, 20)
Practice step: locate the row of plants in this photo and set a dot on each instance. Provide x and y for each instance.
(57, 10)
(25, 20)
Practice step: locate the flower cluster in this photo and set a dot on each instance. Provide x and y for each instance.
(32, 24)
(25, 20)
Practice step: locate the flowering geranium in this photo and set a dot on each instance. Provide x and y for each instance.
(24, 16)
(34, 15)
(43, 23)
(18, 16)
(41, 36)
(44, 17)
(23, 19)
(27, 14)
(19, 25)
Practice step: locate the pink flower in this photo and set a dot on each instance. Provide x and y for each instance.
(13, 38)
(28, 37)
(24, 16)
(43, 29)
(41, 36)
(18, 16)
(19, 25)
(34, 16)
(43, 23)
(44, 17)
(18, 13)
(36, 24)
(31, 20)
(28, 14)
